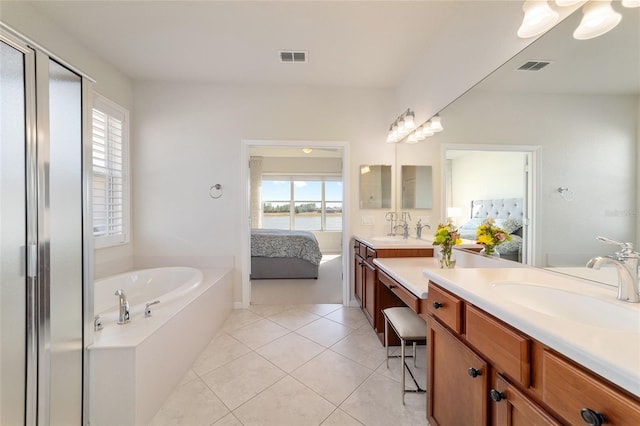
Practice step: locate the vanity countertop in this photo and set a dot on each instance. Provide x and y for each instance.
(613, 352)
(391, 242)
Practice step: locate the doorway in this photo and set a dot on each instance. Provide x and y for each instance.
(489, 172)
(334, 260)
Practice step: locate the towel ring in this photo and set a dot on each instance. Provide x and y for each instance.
(215, 191)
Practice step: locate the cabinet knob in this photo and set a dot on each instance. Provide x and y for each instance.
(391, 286)
(496, 395)
(437, 305)
(592, 418)
(474, 372)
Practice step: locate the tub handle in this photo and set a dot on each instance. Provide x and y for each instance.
(147, 308)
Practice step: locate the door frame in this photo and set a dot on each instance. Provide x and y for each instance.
(245, 227)
(532, 184)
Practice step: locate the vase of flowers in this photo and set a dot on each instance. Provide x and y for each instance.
(446, 237)
(491, 236)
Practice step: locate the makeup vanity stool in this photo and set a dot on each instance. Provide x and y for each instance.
(409, 327)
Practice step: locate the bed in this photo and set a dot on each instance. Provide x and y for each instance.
(508, 214)
(283, 254)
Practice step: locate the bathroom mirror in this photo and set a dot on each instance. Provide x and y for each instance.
(581, 111)
(375, 186)
(417, 187)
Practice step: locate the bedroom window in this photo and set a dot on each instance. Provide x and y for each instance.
(110, 137)
(317, 204)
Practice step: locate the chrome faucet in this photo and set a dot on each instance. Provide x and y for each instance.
(419, 227)
(123, 304)
(626, 263)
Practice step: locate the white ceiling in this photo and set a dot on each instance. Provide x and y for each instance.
(349, 43)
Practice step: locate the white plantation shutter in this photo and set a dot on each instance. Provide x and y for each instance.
(110, 135)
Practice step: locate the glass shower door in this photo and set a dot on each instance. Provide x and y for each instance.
(13, 236)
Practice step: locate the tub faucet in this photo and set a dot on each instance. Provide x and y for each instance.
(123, 305)
(626, 263)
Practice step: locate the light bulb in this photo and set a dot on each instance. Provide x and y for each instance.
(436, 126)
(538, 18)
(598, 18)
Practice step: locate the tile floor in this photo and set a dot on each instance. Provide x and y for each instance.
(295, 365)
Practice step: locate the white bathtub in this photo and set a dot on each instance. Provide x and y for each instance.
(134, 367)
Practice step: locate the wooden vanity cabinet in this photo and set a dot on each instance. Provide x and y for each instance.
(365, 278)
(525, 382)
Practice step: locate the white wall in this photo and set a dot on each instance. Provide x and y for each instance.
(188, 138)
(110, 82)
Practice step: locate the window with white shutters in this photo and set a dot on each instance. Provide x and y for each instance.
(110, 135)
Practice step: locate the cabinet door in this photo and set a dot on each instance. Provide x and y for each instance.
(513, 408)
(358, 278)
(458, 386)
(369, 291)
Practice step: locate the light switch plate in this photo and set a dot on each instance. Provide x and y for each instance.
(368, 220)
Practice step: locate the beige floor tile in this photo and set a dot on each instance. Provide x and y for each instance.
(239, 318)
(268, 310)
(332, 375)
(324, 331)
(363, 347)
(351, 317)
(340, 418)
(321, 308)
(188, 377)
(378, 402)
(242, 379)
(228, 420)
(221, 350)
(190, 404)
(259, 333)
(294, 318)
(290, 352)
(287, 403)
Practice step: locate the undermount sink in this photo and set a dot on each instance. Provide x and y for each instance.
(571, 306)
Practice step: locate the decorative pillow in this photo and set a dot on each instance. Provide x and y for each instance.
(471, 224)
(509, 225)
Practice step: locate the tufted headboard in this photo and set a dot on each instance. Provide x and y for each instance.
(501, 208)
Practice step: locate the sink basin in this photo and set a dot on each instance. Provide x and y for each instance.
(571, 306)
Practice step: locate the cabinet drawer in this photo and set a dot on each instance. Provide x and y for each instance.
(370, 254)
(568, 389)
(446, 307)
(507, 349)
(410, 299)
(362, 250)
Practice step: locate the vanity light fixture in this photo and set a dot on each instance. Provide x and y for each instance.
(538, 18)
(631, 3)
(598, 18)
(436, 125)
(307, 150)
(400, 128)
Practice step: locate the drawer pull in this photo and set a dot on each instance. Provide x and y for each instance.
(496, 395)
(437, 305)
(592, 418)
(474, 372)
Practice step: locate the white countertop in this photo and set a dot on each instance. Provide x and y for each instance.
(391, 242)
(613, 354)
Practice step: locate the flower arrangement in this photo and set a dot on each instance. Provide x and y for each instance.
(446, 237)
(490, 236)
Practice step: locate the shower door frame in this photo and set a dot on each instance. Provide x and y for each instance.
(37, 395)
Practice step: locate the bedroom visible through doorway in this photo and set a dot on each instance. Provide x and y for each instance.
(296, 204)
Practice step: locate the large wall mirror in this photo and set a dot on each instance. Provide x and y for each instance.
(375, 186)
(581, 113)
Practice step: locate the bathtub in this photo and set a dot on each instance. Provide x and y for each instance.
(135, 366)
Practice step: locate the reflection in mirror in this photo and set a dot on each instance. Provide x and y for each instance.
(581, 112)
(417, 187)
(375, 186)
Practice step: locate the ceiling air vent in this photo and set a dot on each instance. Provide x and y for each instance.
(533, 65)
(288, 56)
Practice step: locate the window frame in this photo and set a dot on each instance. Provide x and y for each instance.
(114, 110)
